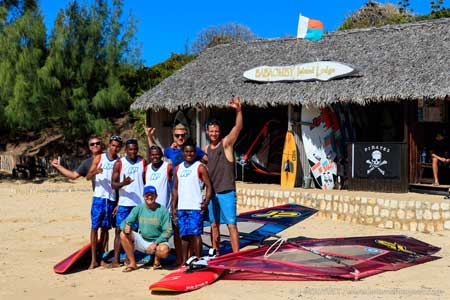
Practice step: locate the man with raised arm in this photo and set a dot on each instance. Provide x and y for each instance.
(175, 155)
(222, 207)
(174, 152)
(95, 146)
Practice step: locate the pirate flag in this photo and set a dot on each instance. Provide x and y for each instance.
(371, 160)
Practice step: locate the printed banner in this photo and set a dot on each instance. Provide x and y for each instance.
(376, 160)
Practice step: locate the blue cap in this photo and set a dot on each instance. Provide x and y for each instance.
(150, 189)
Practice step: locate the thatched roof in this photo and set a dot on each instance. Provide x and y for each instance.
(396, 62)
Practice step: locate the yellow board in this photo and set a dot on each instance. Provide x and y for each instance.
(289, 161)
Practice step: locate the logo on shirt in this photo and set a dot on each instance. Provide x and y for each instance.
(108, 166)
(155, 176)
(185, 173)
(133, 170)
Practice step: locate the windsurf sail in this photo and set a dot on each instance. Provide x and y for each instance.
(255, 226)
(325, 259)
(265, 152)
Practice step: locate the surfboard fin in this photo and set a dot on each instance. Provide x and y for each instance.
(288, 166)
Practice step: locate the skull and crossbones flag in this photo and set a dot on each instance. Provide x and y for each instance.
(372, 160)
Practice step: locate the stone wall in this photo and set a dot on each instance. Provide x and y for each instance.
(405, 215)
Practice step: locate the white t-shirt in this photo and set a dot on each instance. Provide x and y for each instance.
(103, 187)
(189, 186)
(131, 195)
(160, 180)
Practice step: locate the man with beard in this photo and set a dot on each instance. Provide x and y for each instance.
(222, 207)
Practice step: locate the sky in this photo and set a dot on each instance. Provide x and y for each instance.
(166, 27)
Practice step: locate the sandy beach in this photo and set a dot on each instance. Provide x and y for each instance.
(44, 222)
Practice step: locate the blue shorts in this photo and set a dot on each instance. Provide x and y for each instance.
(101, 213)
(122, 213)
(222, 208)
(190, 222)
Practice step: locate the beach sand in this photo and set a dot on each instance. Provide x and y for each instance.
(43, 223)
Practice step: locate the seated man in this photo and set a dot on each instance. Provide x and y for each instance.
(154, 230)
(439, 154)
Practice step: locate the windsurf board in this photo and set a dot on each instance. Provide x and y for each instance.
(81, 257)
(319, 141)
(289, 161)
(257, 225)
(183, 280)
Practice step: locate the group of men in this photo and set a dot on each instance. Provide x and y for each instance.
(148, 203)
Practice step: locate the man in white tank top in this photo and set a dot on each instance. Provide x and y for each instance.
(188, 204)
(104, 200)
(159, 174)
(128, 179)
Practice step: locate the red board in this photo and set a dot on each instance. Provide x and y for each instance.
(79, 255)
(182, 281)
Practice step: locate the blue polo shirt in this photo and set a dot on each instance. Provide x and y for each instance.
(176, 155)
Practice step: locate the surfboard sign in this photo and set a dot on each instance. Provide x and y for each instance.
(319, 70)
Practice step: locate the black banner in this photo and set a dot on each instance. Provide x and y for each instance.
(376, 160)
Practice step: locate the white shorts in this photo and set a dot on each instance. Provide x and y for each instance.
(141, 245)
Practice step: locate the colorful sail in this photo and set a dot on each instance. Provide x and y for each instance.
(325, 259)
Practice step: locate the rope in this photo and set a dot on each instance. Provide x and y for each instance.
(280, 242)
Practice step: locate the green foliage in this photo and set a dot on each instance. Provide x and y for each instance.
(138, 117)
(22, 53)
(85, 74)
(88, 53)
(439, 14)
(223, 34)
(404, 6)
(373, 14)
(146, 78)
(436, 5)
(159, 72)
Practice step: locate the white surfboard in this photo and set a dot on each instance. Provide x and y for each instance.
(319, 142)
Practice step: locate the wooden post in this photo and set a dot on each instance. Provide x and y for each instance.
(290, 112)
(198, 126)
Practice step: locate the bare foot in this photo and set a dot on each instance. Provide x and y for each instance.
(93, 265)
(114, 265)
(129, 268)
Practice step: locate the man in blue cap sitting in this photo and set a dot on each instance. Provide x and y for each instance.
(155, 229)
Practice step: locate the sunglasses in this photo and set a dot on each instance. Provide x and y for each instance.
(116, 138)
(182, 135)
(95, 144)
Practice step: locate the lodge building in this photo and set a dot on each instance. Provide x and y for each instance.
(394, 100)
